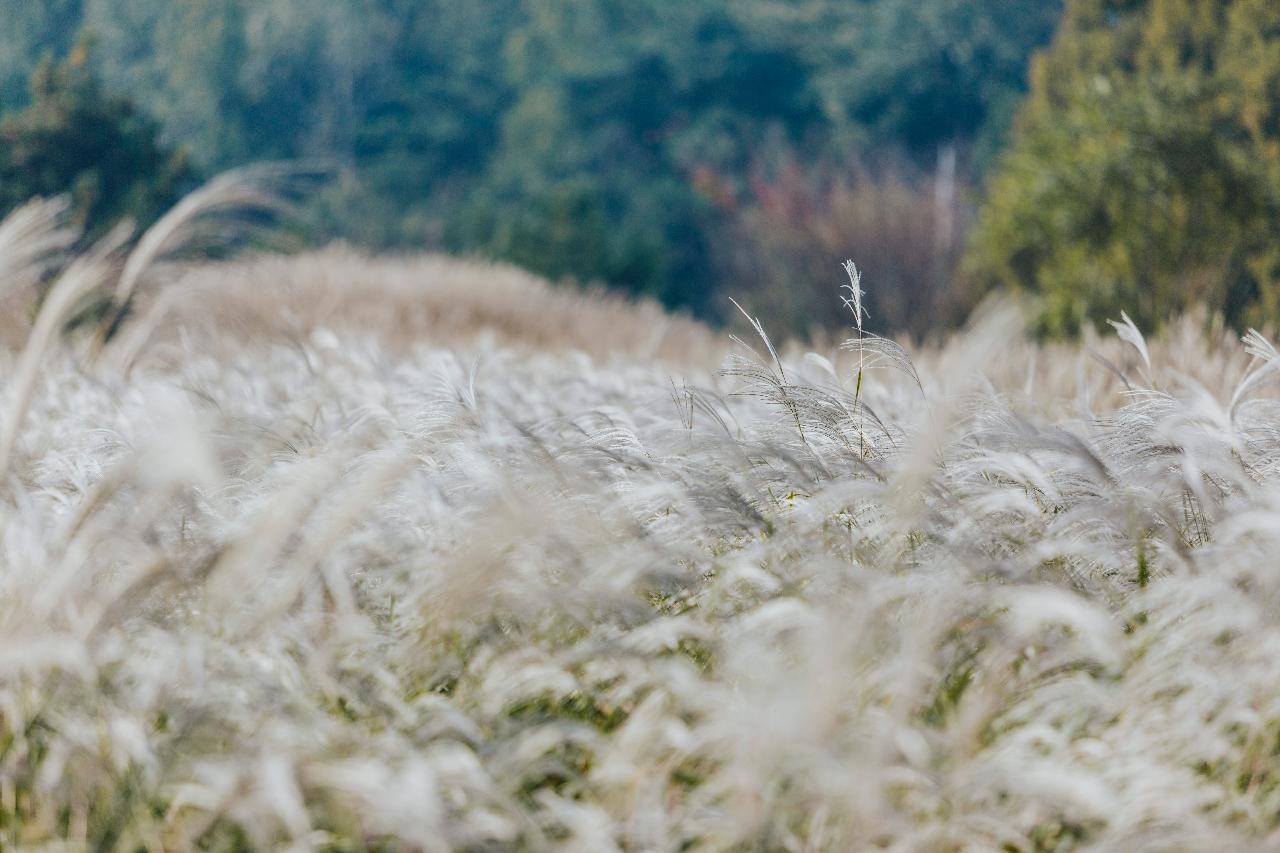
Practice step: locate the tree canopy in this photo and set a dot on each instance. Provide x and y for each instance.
(1145, 174)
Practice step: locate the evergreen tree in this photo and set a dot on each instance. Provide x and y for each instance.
(72, 138)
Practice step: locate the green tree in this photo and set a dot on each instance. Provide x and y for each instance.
(1145, 175)
(71, 138)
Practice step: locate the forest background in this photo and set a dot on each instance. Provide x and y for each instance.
(1101, 155)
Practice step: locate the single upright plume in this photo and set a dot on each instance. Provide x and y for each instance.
(854, 299)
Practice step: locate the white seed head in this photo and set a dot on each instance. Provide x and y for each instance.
(854, 299)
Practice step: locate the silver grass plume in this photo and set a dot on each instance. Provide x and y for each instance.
(854, 299)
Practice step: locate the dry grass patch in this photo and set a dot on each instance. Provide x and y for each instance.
(429, 300)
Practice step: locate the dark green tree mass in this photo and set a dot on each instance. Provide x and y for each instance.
(73, 139)
(593, 139)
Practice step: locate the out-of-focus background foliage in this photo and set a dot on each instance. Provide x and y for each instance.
(1109, 155)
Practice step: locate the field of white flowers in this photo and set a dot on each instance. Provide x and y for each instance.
(282, 570)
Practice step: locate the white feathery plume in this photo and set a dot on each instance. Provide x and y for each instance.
(854, 299)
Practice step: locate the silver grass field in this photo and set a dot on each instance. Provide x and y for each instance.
(339, 553)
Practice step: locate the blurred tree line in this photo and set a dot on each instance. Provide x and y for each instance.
(643, 143)
(696, 149)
